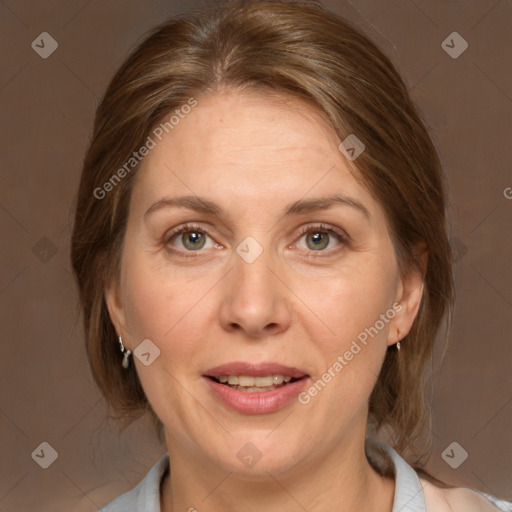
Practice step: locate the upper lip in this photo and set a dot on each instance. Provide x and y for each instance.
(255, 370)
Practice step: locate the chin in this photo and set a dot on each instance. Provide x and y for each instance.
(253, 456)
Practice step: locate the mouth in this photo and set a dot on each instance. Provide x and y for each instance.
(255, 388)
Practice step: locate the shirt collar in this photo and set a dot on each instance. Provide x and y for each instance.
(409, 495)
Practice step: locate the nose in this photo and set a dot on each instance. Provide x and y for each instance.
(255, 300)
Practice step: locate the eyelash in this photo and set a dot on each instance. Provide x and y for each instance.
(303, 231)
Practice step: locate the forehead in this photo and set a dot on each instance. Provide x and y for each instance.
(259, 151)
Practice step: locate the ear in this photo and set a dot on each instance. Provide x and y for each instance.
(409, 294)
(115, 306)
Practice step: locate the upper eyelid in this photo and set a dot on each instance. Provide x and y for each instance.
(331, 230)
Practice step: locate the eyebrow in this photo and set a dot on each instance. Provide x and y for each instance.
(299, 207)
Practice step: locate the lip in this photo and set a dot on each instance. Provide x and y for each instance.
(254, 370)
(261, 402)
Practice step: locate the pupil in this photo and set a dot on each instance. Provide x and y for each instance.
(317, 239)
(193, 239)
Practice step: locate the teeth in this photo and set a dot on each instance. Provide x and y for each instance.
(249, 381)
(277, 379)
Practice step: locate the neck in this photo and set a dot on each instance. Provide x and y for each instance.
(342, 480)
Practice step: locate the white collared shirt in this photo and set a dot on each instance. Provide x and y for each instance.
(412, 493)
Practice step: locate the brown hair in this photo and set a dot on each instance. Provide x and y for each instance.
(295, 48)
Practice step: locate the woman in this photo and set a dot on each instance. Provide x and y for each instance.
(260, 245)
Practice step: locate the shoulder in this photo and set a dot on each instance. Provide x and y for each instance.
(456, 499)
(145, 497)
(417, 491)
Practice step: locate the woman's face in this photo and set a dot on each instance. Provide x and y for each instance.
(273, 277)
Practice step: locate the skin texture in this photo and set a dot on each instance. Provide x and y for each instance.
(253, 155)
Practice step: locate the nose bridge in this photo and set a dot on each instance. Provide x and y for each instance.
(256, 301)
(252, 277)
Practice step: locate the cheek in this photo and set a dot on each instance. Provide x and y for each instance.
(167, 310)
(351, 303)
(165, 307)
(351, 300)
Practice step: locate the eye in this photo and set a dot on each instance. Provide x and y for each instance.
(320, 237)
(191, 237)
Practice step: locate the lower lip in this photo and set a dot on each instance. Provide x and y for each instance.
(260, 402)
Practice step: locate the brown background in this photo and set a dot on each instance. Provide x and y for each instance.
(47, 108)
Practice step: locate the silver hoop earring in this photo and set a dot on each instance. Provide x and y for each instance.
(126, 354)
